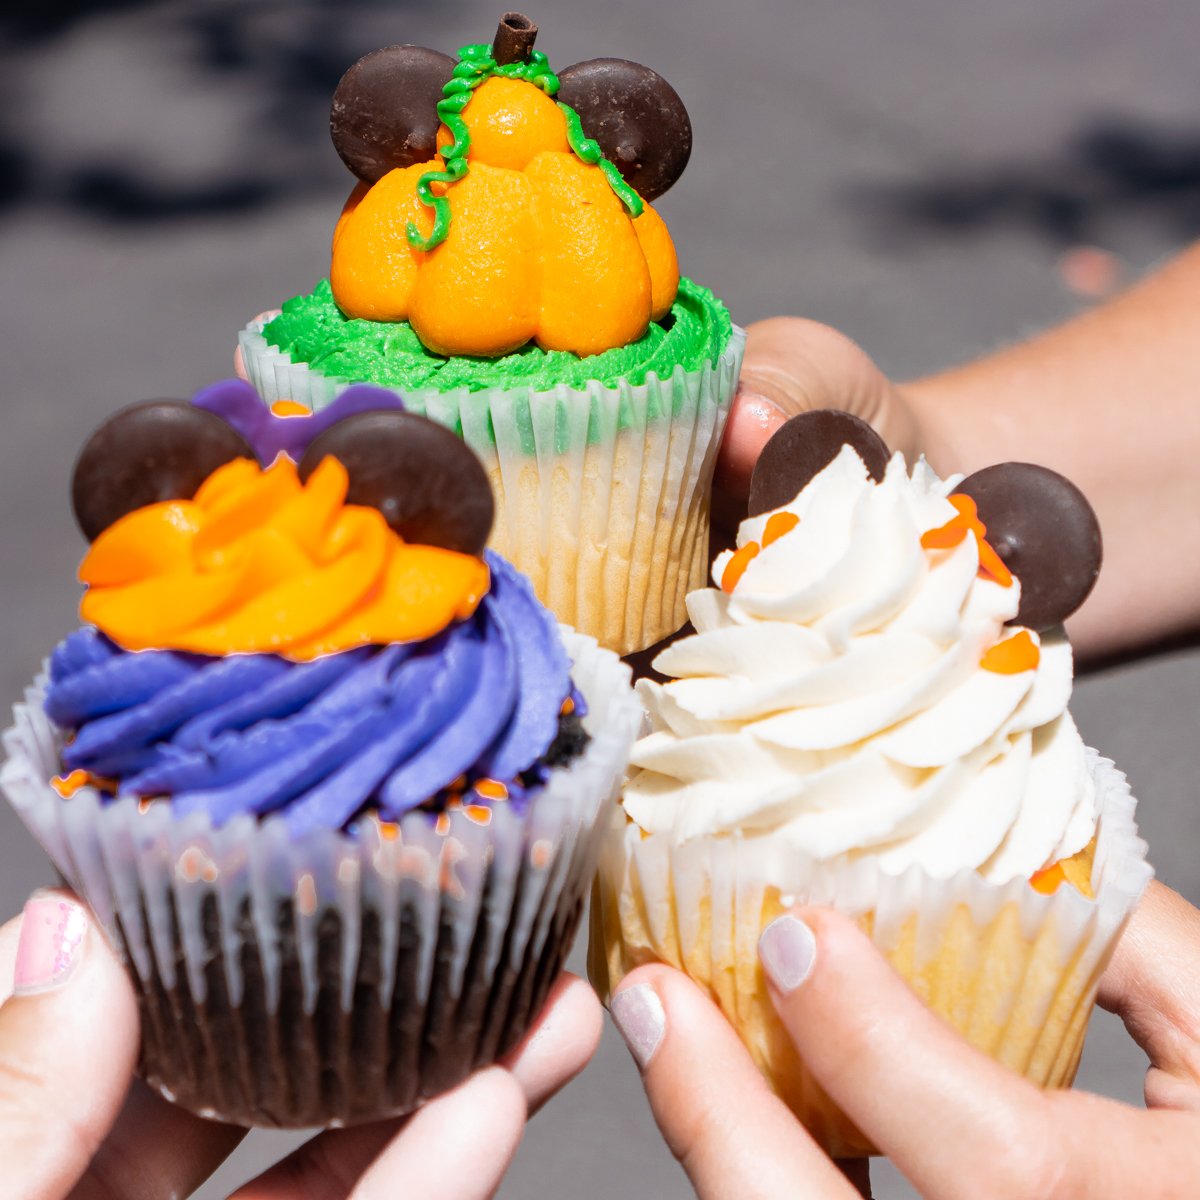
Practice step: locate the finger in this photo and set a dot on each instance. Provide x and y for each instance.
(731, 1134)
(553, 1052)
(752, 419)
(68, 1046)
(560, 1044)
(1153, 984)
(154, 1148)
(239, 359)
(157, 1149)
(457, 1146)
(896, 1069)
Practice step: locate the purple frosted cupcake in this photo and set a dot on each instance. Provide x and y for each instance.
(326, 771)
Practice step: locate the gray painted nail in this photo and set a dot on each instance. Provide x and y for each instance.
(638, 1014)
(787, 949)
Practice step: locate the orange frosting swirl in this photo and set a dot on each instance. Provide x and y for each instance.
(258, 562)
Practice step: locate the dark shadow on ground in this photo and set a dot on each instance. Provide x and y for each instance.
(1114, 168)
(287, 54)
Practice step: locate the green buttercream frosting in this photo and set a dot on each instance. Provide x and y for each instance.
(313, 330)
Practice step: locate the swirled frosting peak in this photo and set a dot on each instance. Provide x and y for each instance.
(469, 716)
(257, 561)
(854, 687)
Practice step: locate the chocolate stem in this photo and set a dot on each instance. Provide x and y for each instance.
(515, 36)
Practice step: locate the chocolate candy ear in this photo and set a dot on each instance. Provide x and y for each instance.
(149, 452)
(1046, 533)
(427, 482)
(384, 112)
(635, 115)
(803, 447)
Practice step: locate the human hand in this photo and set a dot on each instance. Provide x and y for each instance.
(793, 365)
(71, 1124)
(952, 1120)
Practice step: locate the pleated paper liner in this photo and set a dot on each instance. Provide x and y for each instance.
(330, 979)
(602, 493)
(1013, 970)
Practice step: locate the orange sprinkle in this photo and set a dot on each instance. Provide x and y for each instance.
(567, 707)
(144, 805)
(443, 824)
(736, 566)
(67, 785)
(777, 525)
(389, 830)
(479, 813)
(289, 408)
(493, 789)
(945, 537)
(1048, 879)
(1013, 655)
(993, 564)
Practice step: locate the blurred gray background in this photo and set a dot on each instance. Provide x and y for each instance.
(935, 177)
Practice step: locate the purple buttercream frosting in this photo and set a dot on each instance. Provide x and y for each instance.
(236, 402)
(377, 727)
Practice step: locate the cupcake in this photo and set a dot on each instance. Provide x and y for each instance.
(325, 770)
(872, 715)
(499, 265)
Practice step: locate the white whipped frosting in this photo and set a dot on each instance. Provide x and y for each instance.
(835, 698)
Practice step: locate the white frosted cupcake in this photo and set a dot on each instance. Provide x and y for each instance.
(857, 722)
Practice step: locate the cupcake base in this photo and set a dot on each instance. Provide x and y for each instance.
(602, 493)
(1013, 970)
(330, 979)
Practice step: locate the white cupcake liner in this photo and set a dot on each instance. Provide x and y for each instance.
(326, 980)
(1012, 969)
(602, 493)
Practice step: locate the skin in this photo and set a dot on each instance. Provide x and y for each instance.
(74, 1122)
(949, 1117)
(1075, 399)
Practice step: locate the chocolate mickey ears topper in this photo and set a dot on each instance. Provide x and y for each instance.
(427, 482)
(1039, 523)
(149, 452)
(389, 105)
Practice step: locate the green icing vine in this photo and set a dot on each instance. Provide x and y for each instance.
(475, 65)
(587, 150)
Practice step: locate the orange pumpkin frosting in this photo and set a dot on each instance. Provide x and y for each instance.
(258, 562)
(540, 248)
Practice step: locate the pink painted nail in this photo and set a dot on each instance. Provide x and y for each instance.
(48, 950)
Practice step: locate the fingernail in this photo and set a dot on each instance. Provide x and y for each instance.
(50, 945)
(765, 411)
(787, 949)
(638, 1014)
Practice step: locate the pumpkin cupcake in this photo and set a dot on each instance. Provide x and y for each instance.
(325, 770)
(500, 266)
(872, 715)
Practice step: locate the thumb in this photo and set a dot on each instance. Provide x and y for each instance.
(1153, 985)
(68, 1046)
(894, 1067)
(793, 365)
